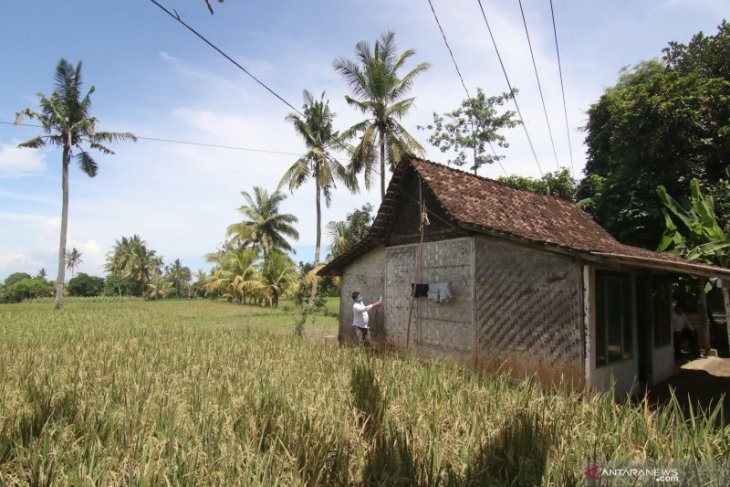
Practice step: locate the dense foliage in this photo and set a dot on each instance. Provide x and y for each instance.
(699, 236)
(20, 286)
(557, 183)
(663, 122)
(346, 233)
(84, 285)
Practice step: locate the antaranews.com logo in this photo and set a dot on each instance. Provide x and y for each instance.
(651, 473)
(658, 475)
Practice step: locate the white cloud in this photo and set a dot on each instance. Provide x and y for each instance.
(92, 255)
(16, 162)
(18, 263)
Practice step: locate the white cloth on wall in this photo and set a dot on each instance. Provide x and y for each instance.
(439, 292)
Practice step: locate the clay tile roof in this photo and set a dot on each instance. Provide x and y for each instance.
(479, 203)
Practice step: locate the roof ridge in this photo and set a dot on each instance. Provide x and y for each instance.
(495, 181)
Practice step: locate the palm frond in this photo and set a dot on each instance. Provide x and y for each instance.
(110, 137)
(87, 163)
(34, 143)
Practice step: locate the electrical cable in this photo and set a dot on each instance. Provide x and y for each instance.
(176, 16)
(512, 92)
(186, 142)
(463, 84)
(539, 85)
(562, 89)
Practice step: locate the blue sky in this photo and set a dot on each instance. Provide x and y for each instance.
(155, 79)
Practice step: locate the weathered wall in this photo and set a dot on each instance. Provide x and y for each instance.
(529, 311)
(366, 274)
(441, 330)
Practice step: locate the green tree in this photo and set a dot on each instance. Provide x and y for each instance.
(85, 285)
(320, 137)
(73, 259)
(133, 265)
(179, 277)
(345, 234)
(278, 274)
(21, 286)
(16, 277)
(557, 183)
(235, 275)
(471, 128)
(664, 122)
(381, 94)
(67, 123)
(704, 55)
(264, 224)
(198, 286)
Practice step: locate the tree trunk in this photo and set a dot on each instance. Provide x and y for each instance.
(319, 235)
(61, 276)
(382, 166)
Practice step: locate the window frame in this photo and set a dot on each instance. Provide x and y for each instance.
(604, 280)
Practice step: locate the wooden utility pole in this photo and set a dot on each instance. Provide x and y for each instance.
(419, 258)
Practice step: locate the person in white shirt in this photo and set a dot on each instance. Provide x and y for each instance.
(360, 317)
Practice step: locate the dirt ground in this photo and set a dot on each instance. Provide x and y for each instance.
(702, 383)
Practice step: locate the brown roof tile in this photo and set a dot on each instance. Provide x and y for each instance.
(480, 203)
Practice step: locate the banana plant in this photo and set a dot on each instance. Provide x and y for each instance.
(704, 239)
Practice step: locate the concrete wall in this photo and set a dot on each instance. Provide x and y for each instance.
(439, 330)
(367, 275)
(529, 311)
(665, 365)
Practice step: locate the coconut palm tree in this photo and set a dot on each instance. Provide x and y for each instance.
(320, 137)
(263, 224)
(73, 259)
(179, 277)
(236, 275)
(278, 273)
(130, 259)
(380, 93)
(339, 232)
(67, 123)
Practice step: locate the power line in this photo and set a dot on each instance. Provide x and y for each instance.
(176, 16)
(451, 53)
(562, 89)
(463, 84)
(539, 85)
(185, 142)
(511, 90)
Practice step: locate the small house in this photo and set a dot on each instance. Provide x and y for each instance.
(524, 281)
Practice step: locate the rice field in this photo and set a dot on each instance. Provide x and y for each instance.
(112, 392)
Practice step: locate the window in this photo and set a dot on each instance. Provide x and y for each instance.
(614, 338)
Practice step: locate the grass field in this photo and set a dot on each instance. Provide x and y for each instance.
(200, 393)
